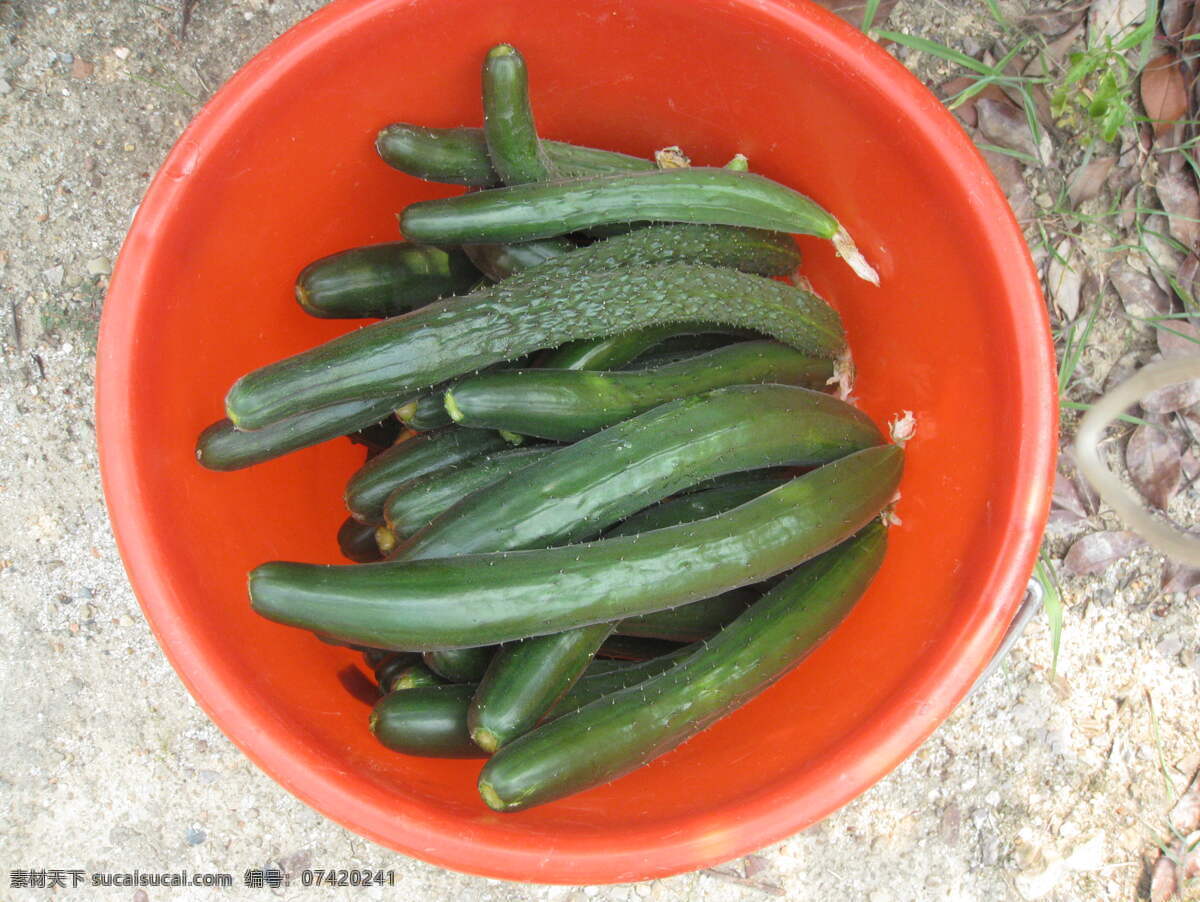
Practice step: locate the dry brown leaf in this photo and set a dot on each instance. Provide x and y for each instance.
(1065, 499)
(854, 10)
(1162, 880)
(1175, 17)
(1089, 179)
(1152, 457)
(1064, 282)
(1011, 176)
(1164, 92)
(1162, 255)
(1178, 338)
(1140, 295)
(1180, 578)
(1052, 20)
(1099, 550)
(966, 111)
(1177, 192)
(1185, 814)
(1002, 124)
(1113, 19)
(1179, 397)
(1185, 278)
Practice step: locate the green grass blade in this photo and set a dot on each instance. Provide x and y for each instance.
(1043, 572)
(869, 14)
(939, 50)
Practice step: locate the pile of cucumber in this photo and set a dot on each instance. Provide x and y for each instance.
(607, 497)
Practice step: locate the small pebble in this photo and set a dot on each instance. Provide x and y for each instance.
(195, 836)
(121, 53)
(54, 276)
(1169, 646)
(98, 266)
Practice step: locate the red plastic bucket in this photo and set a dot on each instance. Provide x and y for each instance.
(279, 169)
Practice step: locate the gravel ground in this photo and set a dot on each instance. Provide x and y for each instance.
(1039, 786)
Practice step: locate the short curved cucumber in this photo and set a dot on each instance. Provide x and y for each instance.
(413, 505)
(508, 127)
(381, 280)
(412, 676)
(424, 453)
(222, 446)
(622, 731)
(459, 156)
(565, 405)
(357, 542)
(479, 599)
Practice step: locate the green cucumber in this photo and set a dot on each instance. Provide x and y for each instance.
(415, 504)
(386, 670)
(432, 721)
(524, 681)
(544, 307)
(459, 156)
(700, 194)
(689, 622)
(508, 127)
(373, 657)
(424, 453)
(381, 280)
(567, 405)
(222, 446)
(459, 665)
(581, 489)
(357, 542)
(726, 493)
(622, 731)
(499, 261)
(615, 351)
(424, 412)
(412, 676)
(480, 599)
(635, 648)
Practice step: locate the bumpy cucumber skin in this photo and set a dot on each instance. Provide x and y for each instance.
(565, 406)
(459, 156)
(485, 598)
(459, 665)
(617, 734)
(508, 126)
(581, 489)
(536, 309)
(369, 487)
(382, 280)
(524, 681)
(699, 194)
(357, 542)
(413, 505)
(499, 261)
(616, 351)
(433, 721)
(222, 446)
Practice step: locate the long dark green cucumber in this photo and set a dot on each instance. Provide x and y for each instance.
(459, 156)
(614, 351)
(486, 598)
(382, 280)
(508, 128)
(357, 542)
(499, 261)
(222, 446)
(622, 731)
(700, 194)
(581, 489)
(565, 405)
(524, 681)
(689, 622)
(543, 307)
(414, 504)
(459, 665)
(369, 487)
(618, 647)
(433, 721)
(726, 493)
